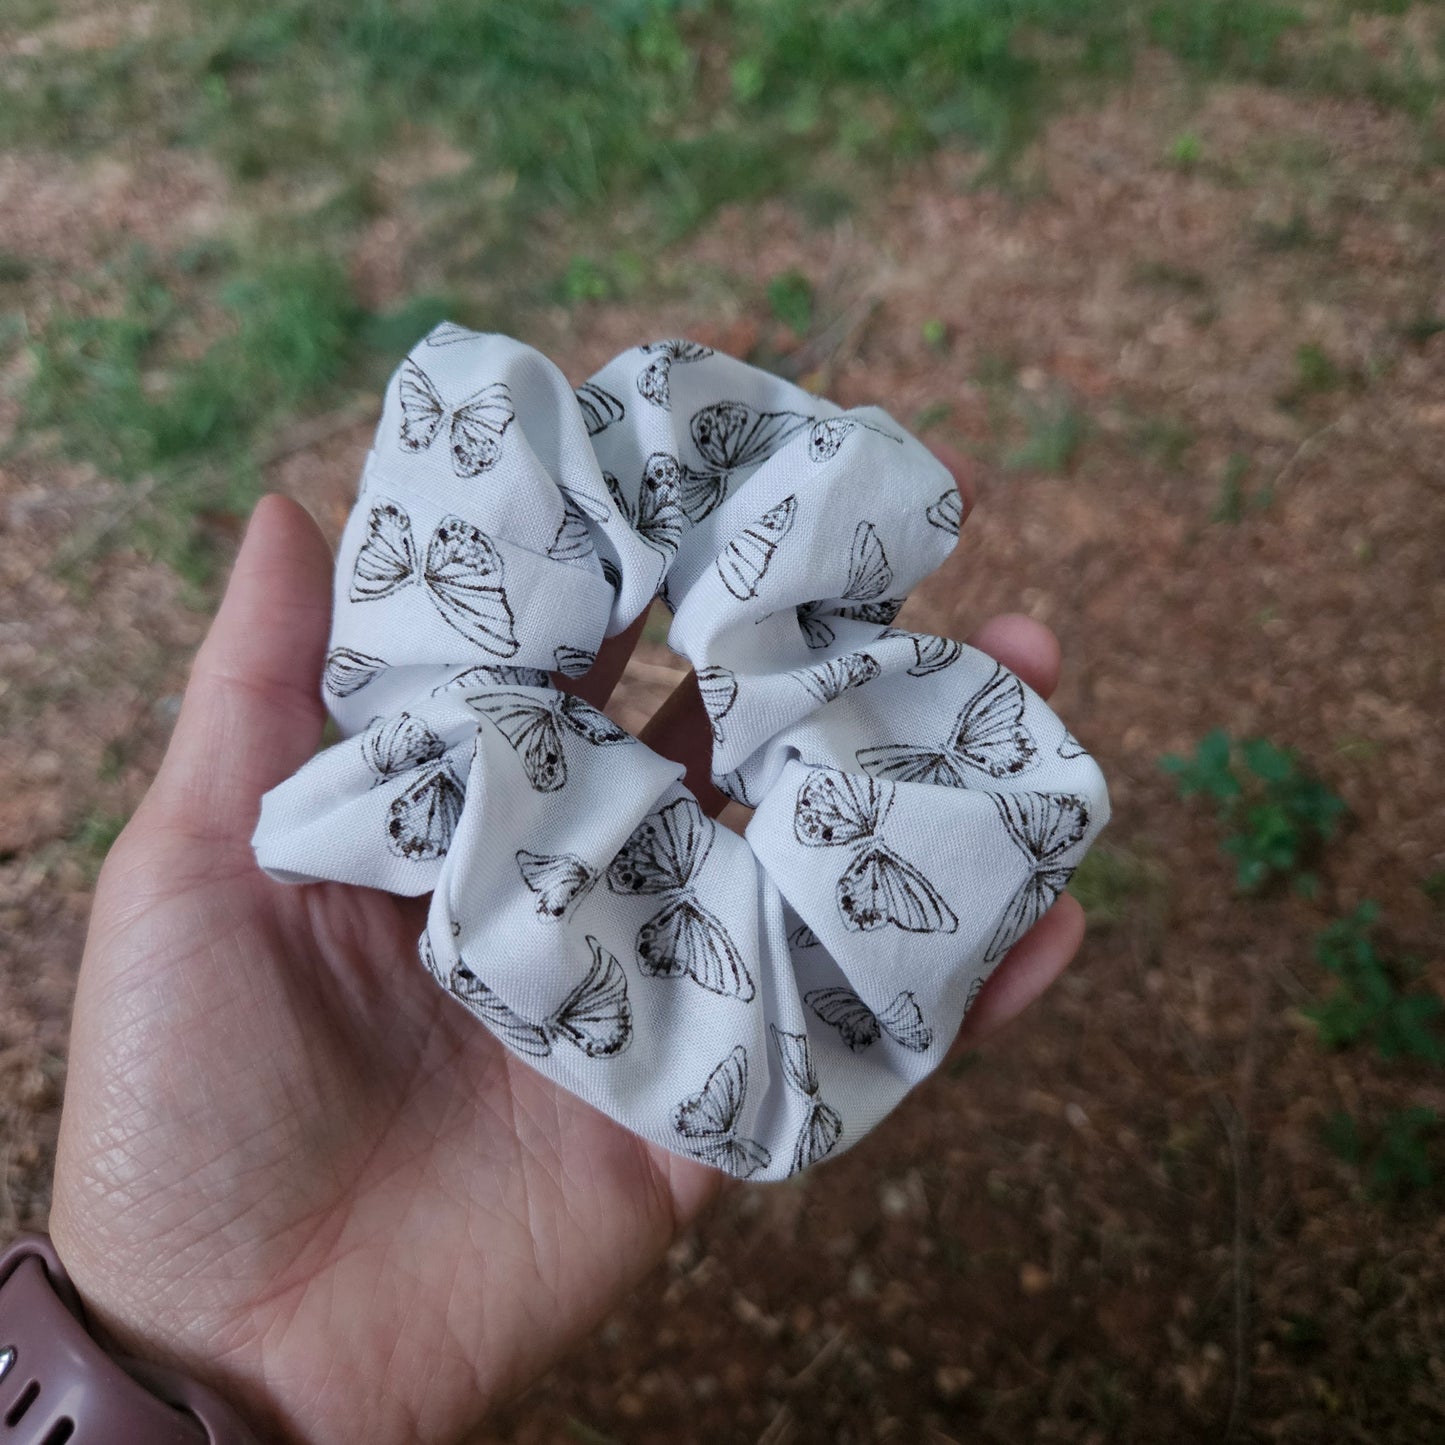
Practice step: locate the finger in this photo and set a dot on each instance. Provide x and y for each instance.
(603, 676)
(252, 712)
(1027, 648)
(1030, 966)
(680, 730)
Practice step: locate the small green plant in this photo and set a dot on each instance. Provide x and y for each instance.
(1375, 1004)
(585, 280)
(1185, 150)
(1054, 430)
(1314, 370)
(790, 298)
(1396, 1157)
(934, 332)
(1235, 501)
(1276, 814)
(1368, 1004)
(1423, 327)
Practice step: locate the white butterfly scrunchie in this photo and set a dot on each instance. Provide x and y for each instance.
(756, 1003)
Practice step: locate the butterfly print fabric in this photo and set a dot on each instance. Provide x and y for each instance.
(755, 1002)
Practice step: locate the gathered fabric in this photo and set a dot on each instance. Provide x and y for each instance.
(756, 1002)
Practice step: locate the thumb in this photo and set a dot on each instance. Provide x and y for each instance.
(252, 712)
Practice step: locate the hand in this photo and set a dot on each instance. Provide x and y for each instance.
(289, 1163)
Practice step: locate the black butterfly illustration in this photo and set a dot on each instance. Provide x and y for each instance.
(558, 880)
(838, 810)
(595, 1017)
(462, 575)
(988, 736)
(730, 437)
(719, 689)
(654, 380)
(869, 577)
(656, 518)
(448, 333)
(475, 427)
(423, 817)
(831, 679)
(947, 512)
(573, 661)
(348, 671)
(803, 937)
(745, 560)
(901, 1021)
(392, 746)
(822, 1127)
(531, 725)
(826, 438)
(663, 856)
(731, 785)
(505, 676)
(599, 407)
(573, 542)
(1071, 747)
(933, 654)
(1046, 827)
(708, 1121)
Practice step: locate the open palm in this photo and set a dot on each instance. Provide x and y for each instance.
(289, 1163)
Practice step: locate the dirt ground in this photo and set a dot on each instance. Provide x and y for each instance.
(1117, 1222)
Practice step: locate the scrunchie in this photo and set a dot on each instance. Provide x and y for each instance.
(754, 1002)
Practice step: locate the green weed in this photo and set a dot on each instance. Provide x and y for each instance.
(1185, 150)
(1276, 815)
(790, 299)
(1314, 370)
(1235, 501)
(1368, 1004)
(934, 335)
(1422, 328)
(1398, 1156)
(1054, 430)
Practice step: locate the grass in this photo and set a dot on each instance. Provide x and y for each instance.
(135, 388)
(1054, 429)
(1235, 501)
(628, 122)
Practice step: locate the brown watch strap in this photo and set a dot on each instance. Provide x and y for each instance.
(58, 1387)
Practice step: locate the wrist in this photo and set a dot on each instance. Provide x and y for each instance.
(58, 1382)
